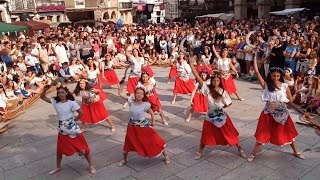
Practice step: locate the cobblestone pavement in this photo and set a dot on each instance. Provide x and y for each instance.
(30, 153)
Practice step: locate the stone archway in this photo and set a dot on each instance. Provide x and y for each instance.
(106, 16)
(113, 15)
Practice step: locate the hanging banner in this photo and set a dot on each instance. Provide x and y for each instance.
(162, 6)
(140, 7)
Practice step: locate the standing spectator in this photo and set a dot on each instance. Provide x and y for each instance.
(289, 54)
(6, 57)
(61, 52)
(44, 57)
(276, 55)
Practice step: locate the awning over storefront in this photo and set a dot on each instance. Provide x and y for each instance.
(287, 12)
(6, 28)
(222, 16)
(32, 25)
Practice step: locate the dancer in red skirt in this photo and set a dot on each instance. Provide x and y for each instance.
(204, 62)
(136, 66)
(141, 137)
(135, 73)
(108, 75)
(146, 67)
(224, 65)
(92, 105)
(199, 101)
(217, 127)
(149, 85)
(184, 84)
(275, 124)
(173, 69)
(70, 137)
(93, 77)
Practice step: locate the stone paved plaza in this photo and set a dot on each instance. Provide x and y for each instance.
(30, 153)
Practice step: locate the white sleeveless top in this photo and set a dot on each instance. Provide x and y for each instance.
(278, 95)
(223, 65)
(136, 66)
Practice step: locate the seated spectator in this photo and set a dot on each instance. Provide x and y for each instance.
(312, 63)
(251, 76)
(66, 72)
(22, 66)
(288, 78)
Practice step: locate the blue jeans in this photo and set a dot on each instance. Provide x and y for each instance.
(292, 63)
(37, 68)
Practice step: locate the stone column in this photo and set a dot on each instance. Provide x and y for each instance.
(292, 4)
(263, 8)
(240, 9)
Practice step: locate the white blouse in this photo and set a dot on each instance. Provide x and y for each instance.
(92, 74)
(138, 112)
(184, 67)
(223, 65)
(149, 88)
(278, 95)
(216, 105)
(65, 110)
(136, 66)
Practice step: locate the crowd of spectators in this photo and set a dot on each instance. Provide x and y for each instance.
(28, 63)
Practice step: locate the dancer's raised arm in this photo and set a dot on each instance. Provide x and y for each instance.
(215, 52)
(195, 72)
(256, 70)
(120, 93)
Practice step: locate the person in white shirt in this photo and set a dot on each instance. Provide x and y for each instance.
(61, 52)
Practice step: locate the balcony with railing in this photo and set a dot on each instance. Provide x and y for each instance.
(23, 5)
(47, 5)
(37, 5)
(125, 5)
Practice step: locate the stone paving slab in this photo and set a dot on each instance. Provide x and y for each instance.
(30, 153)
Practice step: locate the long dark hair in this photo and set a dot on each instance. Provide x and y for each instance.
(145, 98)
(78, 89)
(270, 84)
(69, 95)
(215, 94)
(141, 81)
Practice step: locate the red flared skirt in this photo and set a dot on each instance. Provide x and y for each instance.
(268, 130)
(143, 140)
(148, 69)
(103, 96)
(173, 72)
(182, 87)
(132, 84)
(225, 135)
(94, 113)
(68, 146)
(228, 85)
(155, 102)
(199, 68)
(111, 77)
(200, 103)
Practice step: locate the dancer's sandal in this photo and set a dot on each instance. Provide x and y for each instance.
(92, 170)
(188, 119)
(242, 154)
(167, 160)
(54, 171)
(251, 158)
(197, 156)
(165, 123)
(113, 129)
(299, 155)
(122, 162)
